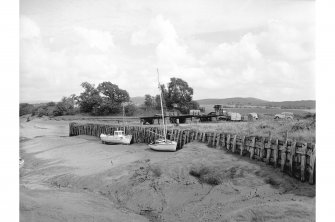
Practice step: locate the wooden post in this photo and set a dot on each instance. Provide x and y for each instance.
(303, 162)
(209, 139)
(213, 140)
(252, 147)
(283, 157)
(234, 144)
(196, 135)
(223, 141)
(292, 151)
(268, 149)
(312, 168)
(218, 141)
(228, 142)
(262, 150)
(242, 146)
(204, 137)
(184, 138)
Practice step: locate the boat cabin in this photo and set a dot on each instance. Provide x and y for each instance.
(118, 133)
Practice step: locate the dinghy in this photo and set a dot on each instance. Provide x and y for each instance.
(163, 144)
(119, 136)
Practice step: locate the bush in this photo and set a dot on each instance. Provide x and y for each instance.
(206, 175)
(51, 104)
(42, 111)
(130, 109)
(26, 108)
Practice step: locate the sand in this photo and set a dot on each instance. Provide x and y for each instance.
(80, 179)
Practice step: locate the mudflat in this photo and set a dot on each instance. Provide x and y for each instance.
(80, 179)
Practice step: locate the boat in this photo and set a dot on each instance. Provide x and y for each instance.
(119, 136)
(163, 144)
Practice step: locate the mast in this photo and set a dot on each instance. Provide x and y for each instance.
(160, 95)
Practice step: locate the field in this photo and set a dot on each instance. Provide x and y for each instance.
(301, 129)
(264, 111)
(80, 179)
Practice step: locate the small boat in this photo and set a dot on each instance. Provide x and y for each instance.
(119, 137)
(163, 144)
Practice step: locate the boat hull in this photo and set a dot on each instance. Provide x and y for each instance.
(162, 146)
(110, 139)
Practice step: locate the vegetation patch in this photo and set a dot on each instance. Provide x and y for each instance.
(157, 172)
(272, 182)
(207, 175)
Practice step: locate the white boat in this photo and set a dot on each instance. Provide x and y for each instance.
(163, 144)
(119, 137)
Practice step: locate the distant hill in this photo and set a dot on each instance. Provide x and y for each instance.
(232, 101)
(33, 102)
(300, 104)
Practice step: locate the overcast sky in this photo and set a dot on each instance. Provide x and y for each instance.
(222, 48)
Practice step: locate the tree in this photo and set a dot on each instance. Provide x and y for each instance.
(113, 92)
(178, 95)
(25, 108)
(149, 101)
(112, 98)
(130, 109)
(89, 100)
(193, 105)
(66, 106)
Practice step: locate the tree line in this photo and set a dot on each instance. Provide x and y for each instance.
(108, 99)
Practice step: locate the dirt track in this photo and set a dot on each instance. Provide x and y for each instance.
(79, 179)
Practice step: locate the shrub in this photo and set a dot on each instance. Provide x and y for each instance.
(206, 175)
(26, 108)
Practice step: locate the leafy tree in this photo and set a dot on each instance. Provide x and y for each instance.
(130, 109)
(89, 100)
(26, 108)
(113, 92)
(149, 101)
(158, 103)
(66, 106)
(178, 95)
(51, 104)
(193, 105)
(112, 98)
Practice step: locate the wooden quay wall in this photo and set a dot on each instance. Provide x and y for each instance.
(294, 158)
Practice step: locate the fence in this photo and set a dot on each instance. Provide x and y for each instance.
(295, 158)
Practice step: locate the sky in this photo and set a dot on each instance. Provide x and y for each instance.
(222, 48)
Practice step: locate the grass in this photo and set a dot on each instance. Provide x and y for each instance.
(300, 130)
(205, 174)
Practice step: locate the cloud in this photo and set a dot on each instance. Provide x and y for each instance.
(222, 48)
(276, 57)
(28, 28)
(169, 47)
(53, 72)
(96, 39)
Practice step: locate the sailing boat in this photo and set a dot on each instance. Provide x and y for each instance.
(119, 136)
(163, 144)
